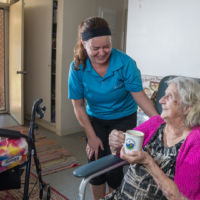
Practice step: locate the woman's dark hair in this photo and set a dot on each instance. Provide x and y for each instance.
(88, 24)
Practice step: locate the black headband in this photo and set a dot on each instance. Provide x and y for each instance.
(95, 33)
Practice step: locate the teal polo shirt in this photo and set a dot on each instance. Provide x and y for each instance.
(107, 97)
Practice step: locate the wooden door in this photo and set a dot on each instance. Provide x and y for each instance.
(16, 57)
(38, 45)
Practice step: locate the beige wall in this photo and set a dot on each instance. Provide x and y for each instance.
(70, 14)
(117, 22)
(163, 36)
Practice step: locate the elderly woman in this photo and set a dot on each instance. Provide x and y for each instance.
(169, 165)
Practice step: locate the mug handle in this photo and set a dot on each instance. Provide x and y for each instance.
(124, 133)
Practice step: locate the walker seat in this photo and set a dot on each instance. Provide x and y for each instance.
(13, 152)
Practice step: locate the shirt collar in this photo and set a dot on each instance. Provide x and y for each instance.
(115, 60)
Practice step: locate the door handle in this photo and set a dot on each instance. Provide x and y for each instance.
(21, 72)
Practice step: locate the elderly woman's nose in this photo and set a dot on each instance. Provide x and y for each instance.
(162, 99)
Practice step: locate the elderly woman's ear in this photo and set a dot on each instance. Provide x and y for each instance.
(186, 110)
(116, 140)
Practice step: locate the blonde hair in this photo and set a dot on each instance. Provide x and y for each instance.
(189, 90)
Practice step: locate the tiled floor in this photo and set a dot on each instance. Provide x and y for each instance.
(6, 121)
(63, 181)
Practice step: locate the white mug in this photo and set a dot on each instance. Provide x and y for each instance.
(133, 140)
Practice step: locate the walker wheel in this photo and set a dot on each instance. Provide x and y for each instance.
(46, 192)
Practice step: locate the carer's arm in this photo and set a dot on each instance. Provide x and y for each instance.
(144, 103)
(93, 141)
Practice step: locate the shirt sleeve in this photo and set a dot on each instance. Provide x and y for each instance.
(132, 77)
(75, 86)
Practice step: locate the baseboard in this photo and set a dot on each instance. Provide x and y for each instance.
(52, 127)
(69, 131)
(43, 123)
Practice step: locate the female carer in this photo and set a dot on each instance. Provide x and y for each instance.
(105, 88)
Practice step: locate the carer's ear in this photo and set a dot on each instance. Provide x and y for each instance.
(83, 43)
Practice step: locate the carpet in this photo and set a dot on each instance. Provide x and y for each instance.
(17, 194)
(53, 157)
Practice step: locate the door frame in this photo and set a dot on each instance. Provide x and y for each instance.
(16, 61)
(6, 66)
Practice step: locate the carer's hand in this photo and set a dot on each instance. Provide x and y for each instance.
(94, 143)
(116, 140)
(140, 157)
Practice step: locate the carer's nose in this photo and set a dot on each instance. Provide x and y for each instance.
(101, 51)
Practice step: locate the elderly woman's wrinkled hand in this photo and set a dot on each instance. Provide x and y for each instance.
(116, 140)
(140, 157)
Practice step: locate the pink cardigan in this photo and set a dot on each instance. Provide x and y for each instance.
(187, 171)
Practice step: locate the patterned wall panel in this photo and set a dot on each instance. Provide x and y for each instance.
(150, 85)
